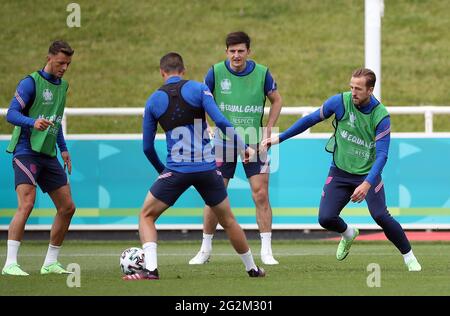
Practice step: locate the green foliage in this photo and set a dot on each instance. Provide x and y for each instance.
(311, 48)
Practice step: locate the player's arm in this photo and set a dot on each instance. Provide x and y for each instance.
(274, 113)
(209, 127)
(23, 98)
(60, 140)
(332, 106)
(209, 82)
(149, 128)
(276, 102)
(382, 142)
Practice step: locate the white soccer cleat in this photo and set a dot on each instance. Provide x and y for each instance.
(414, 265)
(268, 259)
(202, 257)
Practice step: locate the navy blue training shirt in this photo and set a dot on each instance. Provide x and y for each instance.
(195, 138)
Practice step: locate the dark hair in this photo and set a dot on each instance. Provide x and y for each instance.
(60, 47)
(369, 74)
(172, 62)
(238, 38)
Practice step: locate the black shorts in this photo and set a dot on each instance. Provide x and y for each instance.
(171, 184)
(226, 162)
(44, 171)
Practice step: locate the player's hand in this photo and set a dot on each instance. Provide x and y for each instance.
(67, 161)
(249, 153)
(211, 132)
(360, 192)
(42, 124)
(266, 143)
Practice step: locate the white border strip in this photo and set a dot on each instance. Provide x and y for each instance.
(244, 226)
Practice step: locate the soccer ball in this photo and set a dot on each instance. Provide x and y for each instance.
(132, 260)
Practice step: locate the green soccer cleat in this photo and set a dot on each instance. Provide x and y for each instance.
(54, 268)
(14, 269)
(414, 265)
(344, 246)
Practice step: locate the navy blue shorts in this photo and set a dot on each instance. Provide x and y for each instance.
(46, 172)
(338, 190)
(226, 162)
(171, 184)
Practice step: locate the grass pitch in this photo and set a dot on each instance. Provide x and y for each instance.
(306, 268)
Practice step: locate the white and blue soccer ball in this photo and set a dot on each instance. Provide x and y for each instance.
(132, 260)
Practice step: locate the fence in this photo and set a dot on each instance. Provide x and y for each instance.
(427, 110)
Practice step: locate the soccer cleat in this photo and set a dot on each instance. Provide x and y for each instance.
(14, 269)
(260, 273)
(142, 275)
(344, 246)
(414, 265)
(54, 268)
(201, 257)
(268, 259)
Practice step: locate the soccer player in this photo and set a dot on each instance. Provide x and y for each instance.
(360, 146)
(179, 106)
(36, 110)
(240, 87)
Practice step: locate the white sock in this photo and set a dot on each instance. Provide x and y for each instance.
(248, 261)
(151, 260)
(207, 243)
(266, 243)
(407, 257)
(349, 233)
(13, 249)
(52, 254)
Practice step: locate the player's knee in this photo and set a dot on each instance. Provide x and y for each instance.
(260, 197)
(147, 213)
(226, 223)
(72, 209)
(327, 221)
(381, 219)
(26, 207)
(67, 210)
